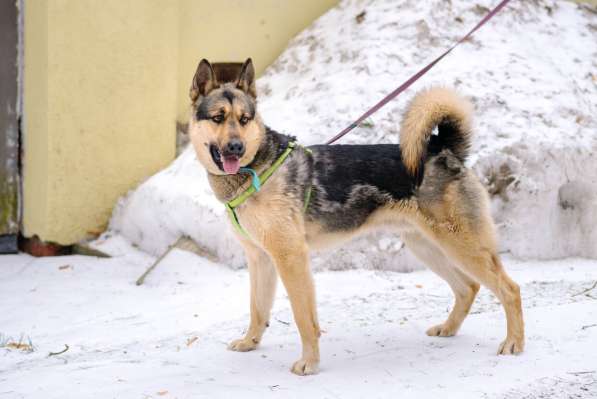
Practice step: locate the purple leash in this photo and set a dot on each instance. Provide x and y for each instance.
(416, 76)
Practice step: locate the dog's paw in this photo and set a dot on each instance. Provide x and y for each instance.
(242, 345)
(511, 346)
(305, 367)
(442, 330)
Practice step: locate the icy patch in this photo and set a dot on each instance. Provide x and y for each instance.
(530, 74)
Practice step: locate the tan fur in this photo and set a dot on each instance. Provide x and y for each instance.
(425, 111)
(203, 82)
(275, 226)
(448, 226)
(263, 288)
(202, 133)
(460, 250)
(465, 289)
(319, 239)
(470, 245)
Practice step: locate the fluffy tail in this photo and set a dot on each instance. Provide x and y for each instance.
(430, 108)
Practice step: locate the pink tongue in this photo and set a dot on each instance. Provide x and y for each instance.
(231, 165)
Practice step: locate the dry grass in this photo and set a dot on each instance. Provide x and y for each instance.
(591, 2)
(22, 344)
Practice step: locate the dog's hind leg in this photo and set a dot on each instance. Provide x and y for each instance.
(465, 289)
(263, 288)
(454, 214)
(481, 262)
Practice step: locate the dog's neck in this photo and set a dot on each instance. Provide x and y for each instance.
(228, 187)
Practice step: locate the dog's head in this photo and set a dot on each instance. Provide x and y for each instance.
(225, 128)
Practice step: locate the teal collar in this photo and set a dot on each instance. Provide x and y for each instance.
(257, 182)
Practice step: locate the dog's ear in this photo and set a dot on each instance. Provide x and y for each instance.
(204, 81)
(246, 79)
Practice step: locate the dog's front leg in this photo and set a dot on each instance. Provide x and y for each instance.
(263, 288)
(292, 261)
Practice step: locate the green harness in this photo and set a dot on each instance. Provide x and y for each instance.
(258, 182)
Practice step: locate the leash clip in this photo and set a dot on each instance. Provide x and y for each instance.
(255, 181)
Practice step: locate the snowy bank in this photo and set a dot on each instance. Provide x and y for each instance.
(530, 74)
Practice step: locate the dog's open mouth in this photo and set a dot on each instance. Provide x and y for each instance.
(230, 164)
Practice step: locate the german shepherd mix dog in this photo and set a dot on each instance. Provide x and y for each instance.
(324, 194)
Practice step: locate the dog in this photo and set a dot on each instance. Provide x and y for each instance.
(325, 194)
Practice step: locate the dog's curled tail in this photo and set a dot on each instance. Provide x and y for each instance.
(433, 107)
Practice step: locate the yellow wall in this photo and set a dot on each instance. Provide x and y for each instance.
(233, 30)
(105, 82)
(100, 104)
(35, 122)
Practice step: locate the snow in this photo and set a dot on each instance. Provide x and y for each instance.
(176, 201)
(530, 73)
(167, 338)
(531, 76)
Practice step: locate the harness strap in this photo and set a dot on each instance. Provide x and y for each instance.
(257, 183)
(307, 198)
(262, 178)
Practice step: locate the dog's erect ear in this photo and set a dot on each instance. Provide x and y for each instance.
(204, 81)
(246, 79)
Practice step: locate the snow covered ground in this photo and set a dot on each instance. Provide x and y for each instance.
(530, 72)
(167, 338)
(531, 75)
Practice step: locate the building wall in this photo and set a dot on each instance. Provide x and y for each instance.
(35, 121)
(233, 30)
(99, 108)
(106, 81)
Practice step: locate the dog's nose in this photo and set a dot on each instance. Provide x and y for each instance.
(234, 147)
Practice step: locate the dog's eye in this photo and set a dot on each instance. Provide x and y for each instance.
(217, 118)
(244, 120)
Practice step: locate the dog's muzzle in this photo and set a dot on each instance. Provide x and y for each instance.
(228, 160)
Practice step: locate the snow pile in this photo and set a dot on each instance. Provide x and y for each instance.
(176, 201)
(530, 74)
